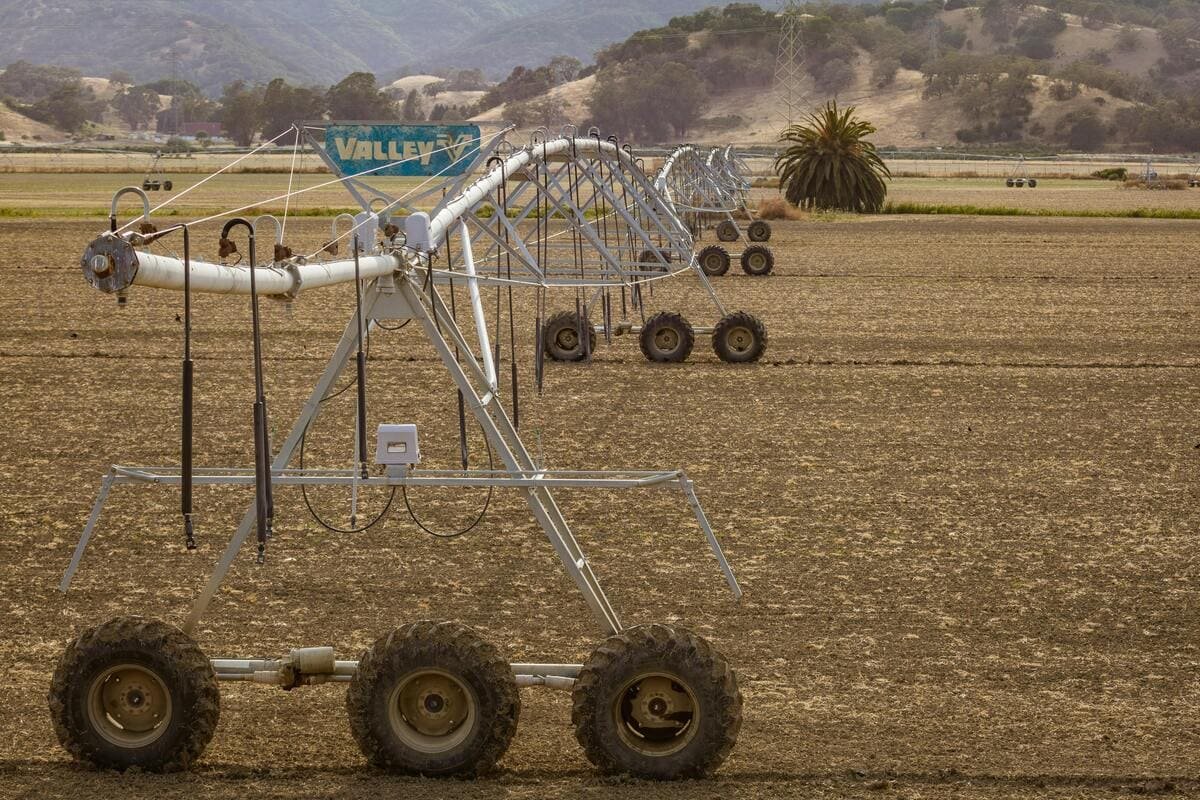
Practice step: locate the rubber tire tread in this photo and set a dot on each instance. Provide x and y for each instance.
(460, 651)
(727, 231)
(739, 318)
(745, 261)
(648, 648)
(564, 319)
(663, 319)
(725, 262)
(759, 231)
(179, 662)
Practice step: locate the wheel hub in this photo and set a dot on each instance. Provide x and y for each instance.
(739, 339)
(128, 705)
(657, 715)
(568, 339)
(666, 340)
(431, 711)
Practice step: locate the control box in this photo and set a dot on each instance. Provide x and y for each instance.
(397, 444)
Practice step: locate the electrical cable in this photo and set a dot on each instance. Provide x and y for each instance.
(487, 502)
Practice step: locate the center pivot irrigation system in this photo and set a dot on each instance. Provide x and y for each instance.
(430, 698)
(581, 213)
(1020, 176)
(707, 190)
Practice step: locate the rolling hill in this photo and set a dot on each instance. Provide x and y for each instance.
(212, 42)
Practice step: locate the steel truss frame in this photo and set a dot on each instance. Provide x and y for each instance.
(403, 285)
(706, 188)
(579, 213)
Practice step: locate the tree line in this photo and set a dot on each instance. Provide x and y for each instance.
(59, 96)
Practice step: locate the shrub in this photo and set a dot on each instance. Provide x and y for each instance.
(1111, 174)
(834, 76)
(884, 72)
(723, 123)
(1062, 91)
(777, 208)
(1128, 39)
(1139, 183)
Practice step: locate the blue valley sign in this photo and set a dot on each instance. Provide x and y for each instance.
(421, 150)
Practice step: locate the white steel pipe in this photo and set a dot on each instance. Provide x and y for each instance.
(249, 666)
(485, 346)
(162, 272)
(111, 264)
(478, 191)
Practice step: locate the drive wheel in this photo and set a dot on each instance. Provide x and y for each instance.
(432, 698)
(758, 260)
(727, 231)
(740, 338)
(655, 260)
(1032, 183)
(714, 260)
(134, 692)
(1009, 182)
(667, 338)
(759, 231)
(168, 186)
(561, 338)
(656, 702)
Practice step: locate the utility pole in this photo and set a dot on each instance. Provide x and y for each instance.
(789, 65)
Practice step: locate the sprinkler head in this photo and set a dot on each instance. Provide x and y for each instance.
(226, 248)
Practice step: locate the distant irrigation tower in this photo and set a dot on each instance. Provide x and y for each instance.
(789, 98)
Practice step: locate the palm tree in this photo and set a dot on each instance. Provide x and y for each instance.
(830, 164)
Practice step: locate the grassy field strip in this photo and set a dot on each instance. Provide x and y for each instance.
(1009, 211)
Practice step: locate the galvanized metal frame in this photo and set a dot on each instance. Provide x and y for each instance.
(403, 285)
(706, 188)
(580, 182)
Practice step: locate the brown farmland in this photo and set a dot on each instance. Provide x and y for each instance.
(960, 492)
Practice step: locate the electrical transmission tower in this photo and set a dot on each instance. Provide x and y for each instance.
(933, 35)
(789, 65)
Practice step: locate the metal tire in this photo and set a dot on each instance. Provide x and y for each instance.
(750, 342)
(561, 324)
(605, 690)
(445, 648)
(667, 338)
(87, 679)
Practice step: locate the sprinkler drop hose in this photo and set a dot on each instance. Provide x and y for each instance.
(361, 363)
(263, 504)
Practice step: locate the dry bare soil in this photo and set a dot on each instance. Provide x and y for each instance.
(960, 493)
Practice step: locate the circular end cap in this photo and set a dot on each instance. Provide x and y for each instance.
(110, 264)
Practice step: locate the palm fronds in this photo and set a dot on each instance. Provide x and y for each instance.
(831, 165)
